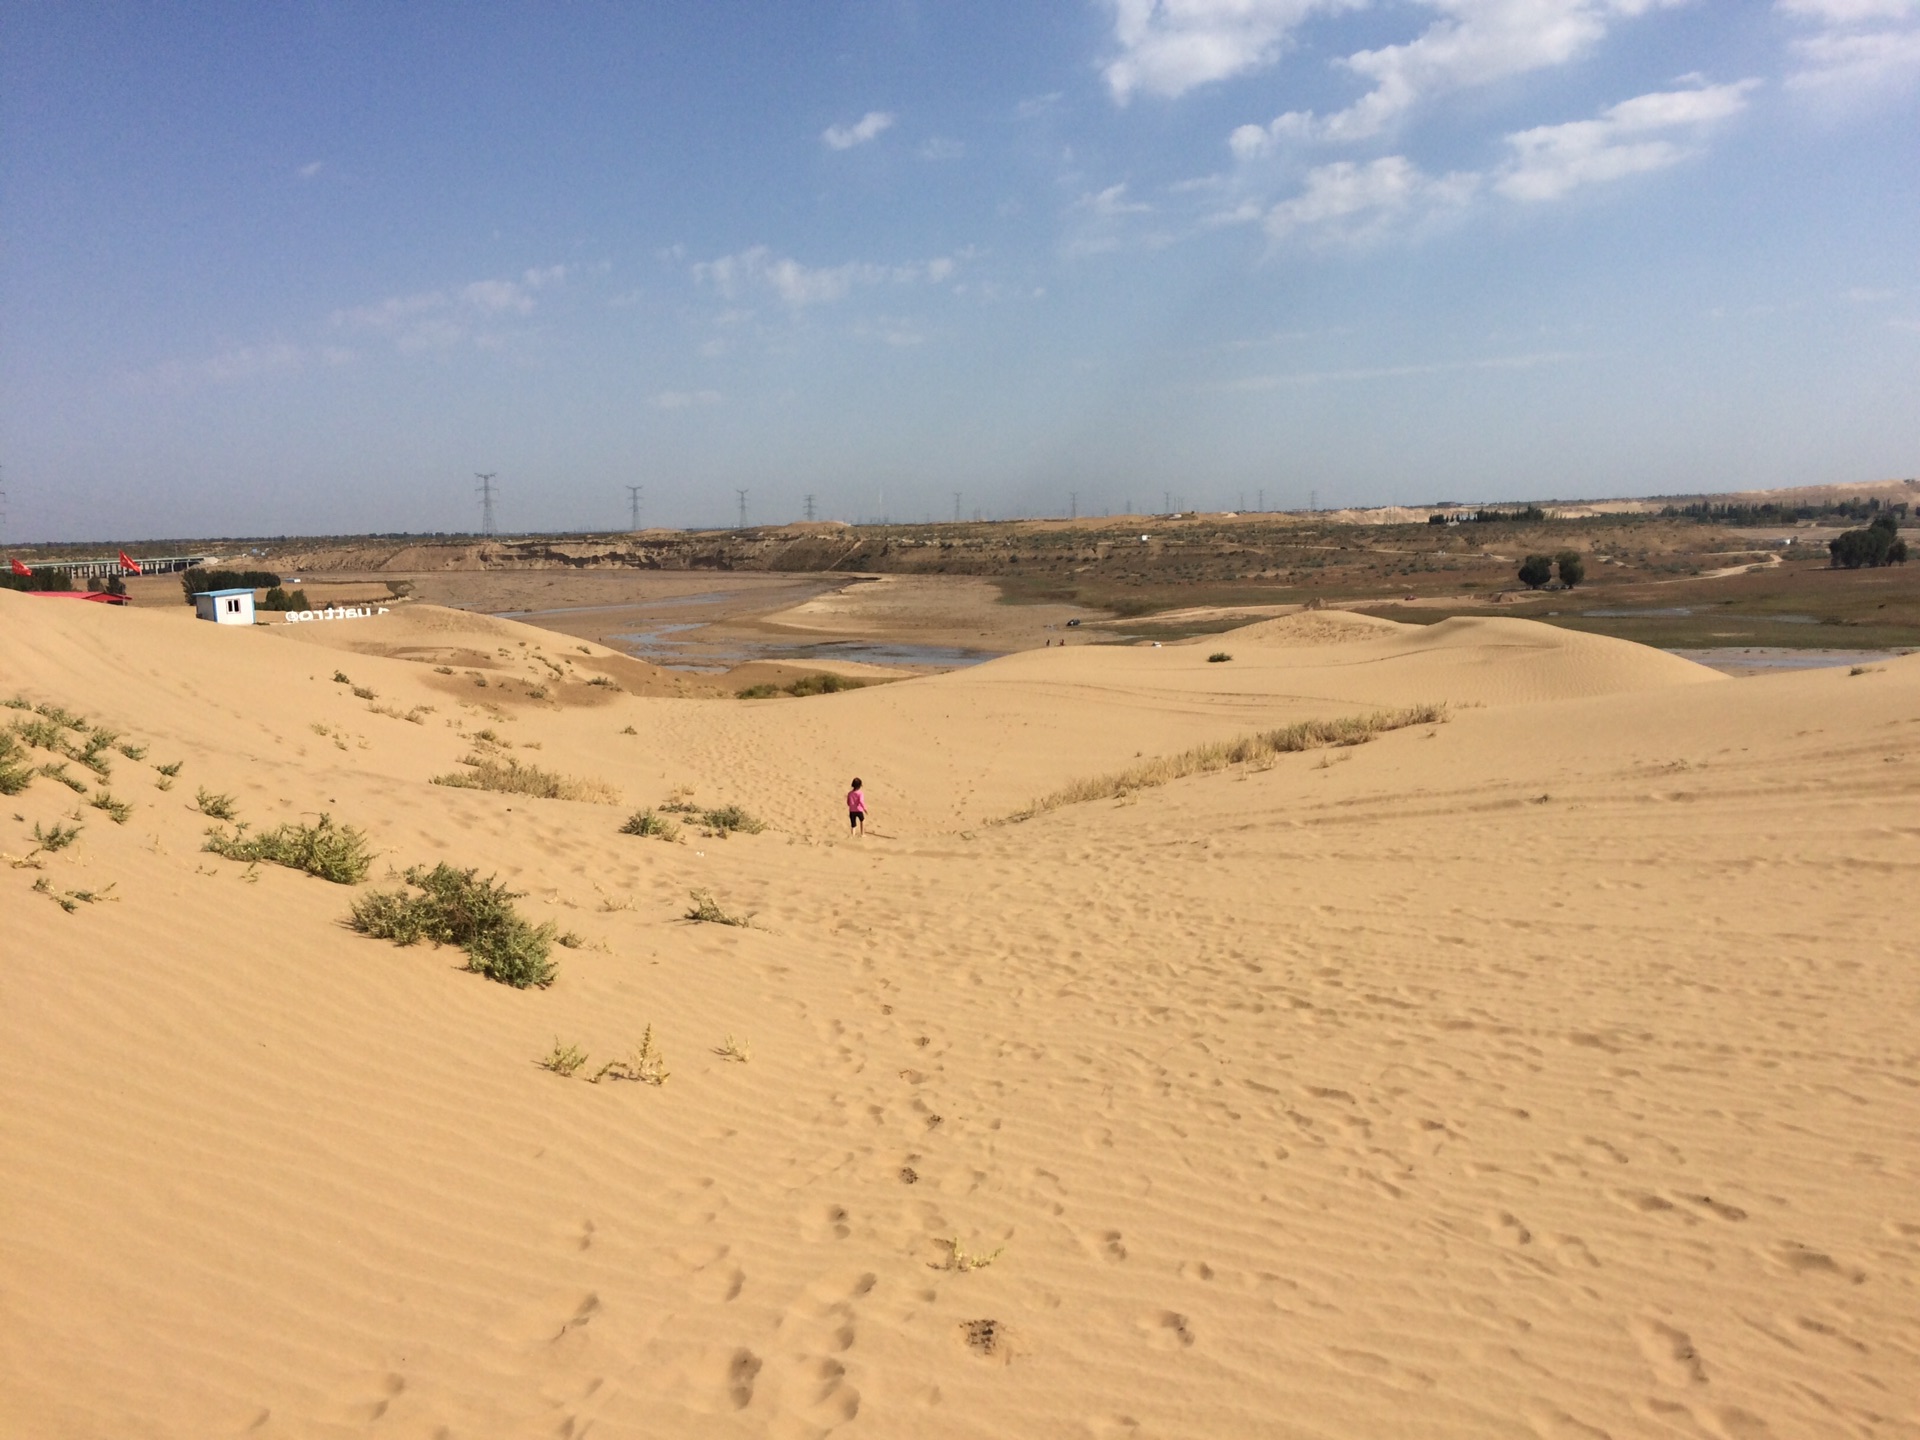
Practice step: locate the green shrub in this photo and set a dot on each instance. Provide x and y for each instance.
(117, 810)
(42, 735)
(217, 807)
(16, 771)
(58, 838)
(66, 719)
(338, 853)
(58, 771)
(132, 751)
(762, 691)
(1219, 657)
(457, 908)
(340, 678)
(170, 770)
(729, 818)
(647, 822)
(1572, 568)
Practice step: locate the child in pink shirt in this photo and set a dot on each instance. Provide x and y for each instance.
(857, 809)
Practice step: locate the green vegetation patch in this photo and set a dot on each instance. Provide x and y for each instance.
(339, 853)
(509, 777)
(456, 907)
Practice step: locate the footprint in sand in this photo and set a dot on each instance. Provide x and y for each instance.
(1669, 1351)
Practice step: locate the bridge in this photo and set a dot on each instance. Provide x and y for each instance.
(99, 569)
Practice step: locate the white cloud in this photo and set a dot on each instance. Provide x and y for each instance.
(1628, 139)
(799, 286)
(868, 127)
(1358, 203)
(1851, 12)
(1167, 47)
(311, 169)
(683, 399)
(1859, 46)
(1112, 202)
(1400, 372)
(441, 319)
(1471, 43)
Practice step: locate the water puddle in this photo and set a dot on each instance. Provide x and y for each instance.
(659, 646)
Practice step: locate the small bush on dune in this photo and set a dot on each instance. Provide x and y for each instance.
(57, 770)
(1219, 657)
(707, 910)
(16, 772)
(42, 734)
(455, 907)
(58, 838)
(647, 822)
(118, 811)
(215, 807)
(510, 777)
(338, 853)
(729, 818)
(821, 684)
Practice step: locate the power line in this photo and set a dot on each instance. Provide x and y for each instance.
(485, 491)
(809, 509)
(634, 493)
(743, 508)
(1073, 504)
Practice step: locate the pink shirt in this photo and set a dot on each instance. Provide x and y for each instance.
(856, 803)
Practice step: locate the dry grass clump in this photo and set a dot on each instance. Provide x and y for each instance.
(71, 900)
(509, 777)
(563, 1059)
(1204, 759)
(338, 853)
(707, 910)
(456, 907)
(646, 1065)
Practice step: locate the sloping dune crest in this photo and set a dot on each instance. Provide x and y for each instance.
(1547, 1071)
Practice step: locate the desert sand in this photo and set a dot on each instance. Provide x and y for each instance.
(1547, 1071)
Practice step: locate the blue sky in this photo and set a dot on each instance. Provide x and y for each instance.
(307, 267)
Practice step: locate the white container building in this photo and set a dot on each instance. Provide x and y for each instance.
(224, 607)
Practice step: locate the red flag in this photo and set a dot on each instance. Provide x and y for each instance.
(126, 564)
(20, 569)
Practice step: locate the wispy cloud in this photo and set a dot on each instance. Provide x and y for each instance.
(869, 126)
(798, 286)
(1630, 138)
(1472, 43)
(440, 319)
(1037, 105)
(1292, 378)
(683, 399)
(1857, 45)
(311, 169)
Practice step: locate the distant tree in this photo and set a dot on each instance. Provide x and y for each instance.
(116, 586)
(1572, 568)
(1535, 571)
(1878, 544)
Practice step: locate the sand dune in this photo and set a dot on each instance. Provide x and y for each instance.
(1547, 1072)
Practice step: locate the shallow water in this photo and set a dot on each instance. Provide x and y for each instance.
(708, 658)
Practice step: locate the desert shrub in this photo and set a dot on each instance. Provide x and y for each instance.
(117, 810)
(57, 770)
(821, 684)
(563, 1059)
(340, 678)
(456, 907)
(648, 822)
(338, 853)
(16, 771)
(170, 770)
(509, 777)
(1219, 657)
(1572, 568)
(707, 910)
(58, 838)
(728, 818)
(217, 807)
(93, 754)
(1535, 571)
(18, 702)
(364, 692)
(42, 735)
(647, 1065)
(132, 751)
(65, 719)
(605, 682)
(824, 684)
(1204, 759)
